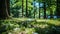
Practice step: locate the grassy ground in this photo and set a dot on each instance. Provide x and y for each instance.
(30, 26)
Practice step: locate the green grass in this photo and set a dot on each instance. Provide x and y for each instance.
(23, 25)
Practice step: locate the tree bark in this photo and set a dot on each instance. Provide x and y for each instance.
(58, 8)
(22, 7)
(39, 9)
(4, 9)
(44, 9)
(26, 8)
(34, 9)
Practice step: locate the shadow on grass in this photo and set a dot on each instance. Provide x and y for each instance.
(51, 29)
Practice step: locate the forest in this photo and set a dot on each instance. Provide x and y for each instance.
(29, 16)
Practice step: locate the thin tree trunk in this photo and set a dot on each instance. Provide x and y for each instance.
(39, 9)
(44, 10)
(26, 8)
(22, 7)
(34, 9)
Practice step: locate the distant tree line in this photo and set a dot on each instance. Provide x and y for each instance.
(27, 7)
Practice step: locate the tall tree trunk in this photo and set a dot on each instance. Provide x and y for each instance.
(58, 8)
(8, 6)
(22, 7)
(4, 9)
(39, 9)
(34, 9)
(26, 8)
(44, 9)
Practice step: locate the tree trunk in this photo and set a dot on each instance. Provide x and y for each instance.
(39, 9)
(44, 10)
(26, 8)
(58, 8)
(4, 9)
(22, 7)
(34, 9)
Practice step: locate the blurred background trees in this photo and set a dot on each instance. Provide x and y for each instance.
(30, 9)
(33, 8)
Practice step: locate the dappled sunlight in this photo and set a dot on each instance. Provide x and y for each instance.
(31, 27)
(43, 26)
(29, 17)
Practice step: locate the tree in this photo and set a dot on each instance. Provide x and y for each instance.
(26, 8)
(34, 8)
(44, 9)
(58, 8)
(22, 7)
(39, 9)
(4, 9)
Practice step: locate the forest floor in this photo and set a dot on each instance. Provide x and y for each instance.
(31, 26)
(51, 21)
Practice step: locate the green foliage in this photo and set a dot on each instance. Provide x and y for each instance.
(29, 27)
(16, 8)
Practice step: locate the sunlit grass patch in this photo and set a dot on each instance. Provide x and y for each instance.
(29, 26)
(54, 22)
